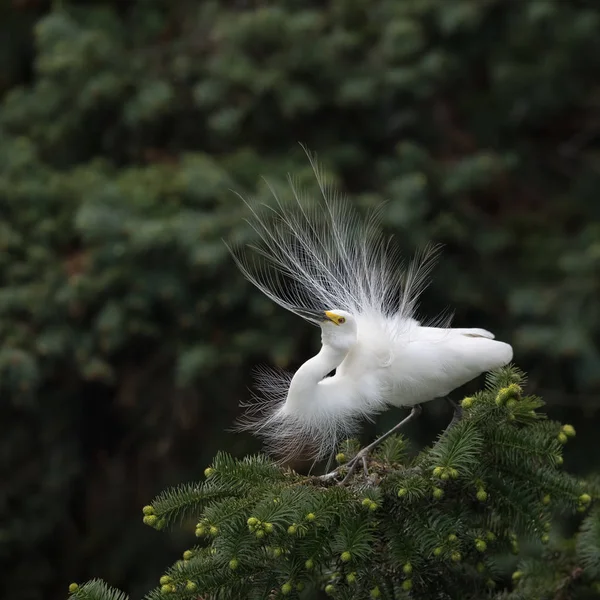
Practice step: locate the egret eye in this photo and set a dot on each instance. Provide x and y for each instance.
(341, 320)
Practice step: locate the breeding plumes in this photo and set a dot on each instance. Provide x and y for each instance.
(318, 259)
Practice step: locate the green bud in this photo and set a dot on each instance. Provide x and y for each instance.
(299, 586)
(277, 552)
(309, 564)
(164, 580)
(366, 502)
(452, 537)
(545, 538)
(491, 536)
(213, 530)
(445, 476)
(480, 567)
(582, 508)
(437, 471)
(402, 492)
(292, 530)
(585, 498)
(160, 524)
(407, 569)
(517, 575)
(560, 460)
(373, 506)
(375, 593)
(481, 495)
(453, 473)
(260, 534)
(148, 510)
(253, 521)
(200, 531)
(490, 583)
(514, 548)
(310, 517)
(341, 458)
(467, 402)
(351, 577)
(208, 472)
(346, 556)
(190, 586)
(269, 527)
(438, 493)
(166, 589)
(73, 588)
(511, 403)
(150, 520)
(188, 554)
(480, 545)
(407, 585)
(329, 589)
(546, 500)
(234, 563)
(456, 557)
(568, 430)
(286, 588)
(437, 551)
(562, 438)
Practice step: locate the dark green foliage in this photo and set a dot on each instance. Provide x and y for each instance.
(127, 336)
(435, 526)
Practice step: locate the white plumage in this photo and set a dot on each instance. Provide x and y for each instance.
(319, 260)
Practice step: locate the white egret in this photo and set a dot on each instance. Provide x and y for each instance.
(319, 260)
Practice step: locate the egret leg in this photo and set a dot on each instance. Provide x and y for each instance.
(458, 412)
(361, 456)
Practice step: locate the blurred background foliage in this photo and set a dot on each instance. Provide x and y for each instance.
(128, 336)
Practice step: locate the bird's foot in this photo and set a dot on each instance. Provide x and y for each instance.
(350, 467)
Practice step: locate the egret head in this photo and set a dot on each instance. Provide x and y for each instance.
(338, 329)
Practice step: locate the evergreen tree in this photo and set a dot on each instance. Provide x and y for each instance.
(433, 525)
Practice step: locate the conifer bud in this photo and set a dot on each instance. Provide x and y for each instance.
(292, 530)
(286, 588)
(453, 473)
(73, 588)
(208, 472)
(351, 577)
(277, 552)
(437, 471)
(150, 520)
(159, 524)
(456, 557)
(491, 536)
(490, 583)
(546, 500)
(480, 545)
(407, 569)
(213, 530)
(517, 575)
(234, 563)
(252, 522)
(200, 531)
(481, 495)
(260, 534)
(407, 585)
(346, 556)
(437, 551)
(268, 527)
(452, 537)
(190, 586)
(310, 517)
(366, 502)
(467, 402)
(167, 589)
(375, 593)
(402, 492)
(164, 580)
(188, 554)
(299, 586)
(329, 589)
(309, 564)
(148, 510)
(585, 498)
(341, 458)
(513, 391)
(562, 438)
(445, 476)
(545, 538)
(438, 493)
(568, 430)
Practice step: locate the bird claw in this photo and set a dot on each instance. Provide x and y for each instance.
(361, 457)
